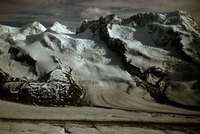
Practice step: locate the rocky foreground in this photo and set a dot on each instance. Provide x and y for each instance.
(147, 62)
(18, 118)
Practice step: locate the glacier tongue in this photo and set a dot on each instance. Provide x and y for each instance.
(137, 63)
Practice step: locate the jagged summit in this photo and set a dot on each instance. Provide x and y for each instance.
(146, 59)
(141, 19)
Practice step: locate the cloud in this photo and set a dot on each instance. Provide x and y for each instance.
(72, 12)
(94, 13)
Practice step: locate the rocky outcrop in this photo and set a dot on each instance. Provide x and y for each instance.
(48, 91)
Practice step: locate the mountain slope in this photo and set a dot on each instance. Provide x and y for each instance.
(147, 62)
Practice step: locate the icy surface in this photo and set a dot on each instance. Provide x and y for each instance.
(137, 63)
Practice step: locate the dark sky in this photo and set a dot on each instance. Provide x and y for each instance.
(72, 12)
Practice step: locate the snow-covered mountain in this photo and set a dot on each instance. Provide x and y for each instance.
(149, 62)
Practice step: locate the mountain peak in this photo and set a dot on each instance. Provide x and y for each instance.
(33, 28)
(59, 28)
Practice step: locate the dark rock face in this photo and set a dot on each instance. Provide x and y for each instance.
(22, 56)
(46, 92)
